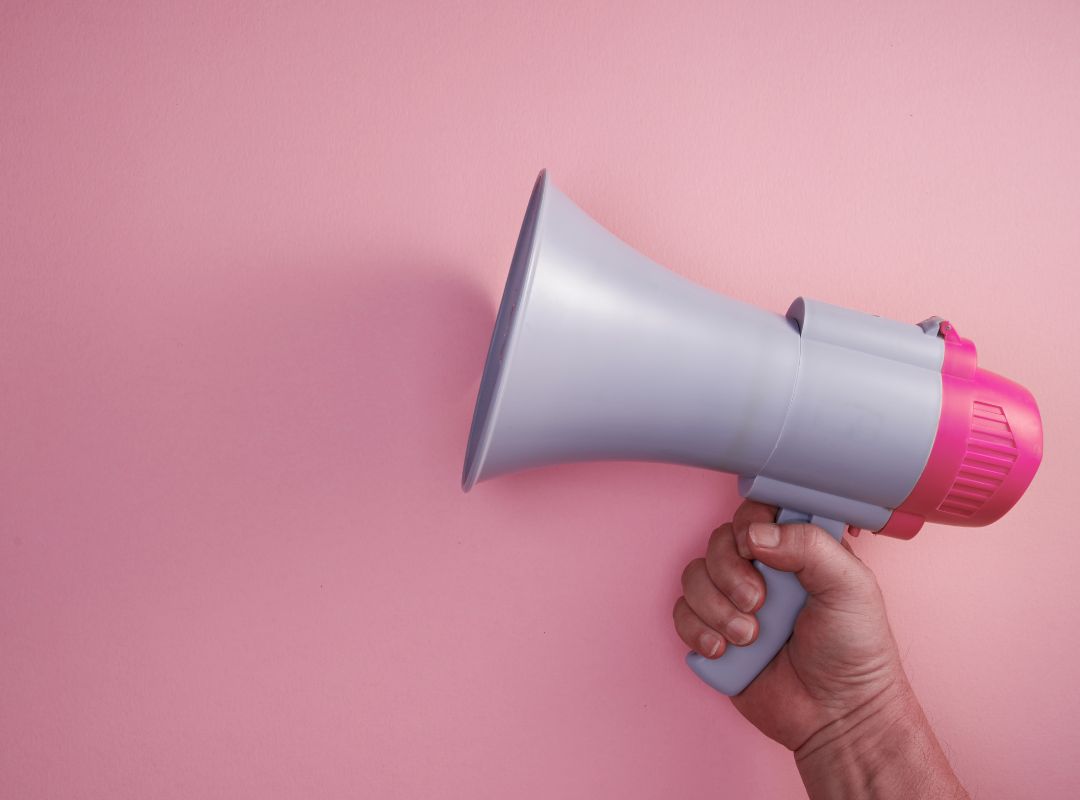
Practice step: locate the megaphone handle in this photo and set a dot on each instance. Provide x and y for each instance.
(784, 598)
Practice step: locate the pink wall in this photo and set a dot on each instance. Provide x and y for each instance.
(248, 265)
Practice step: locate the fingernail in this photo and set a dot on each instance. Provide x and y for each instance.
(739, 630)
(765, 534)
(744, 597)
(710, 645)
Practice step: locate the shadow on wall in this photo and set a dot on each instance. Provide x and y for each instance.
(346, 377)
(422, 339)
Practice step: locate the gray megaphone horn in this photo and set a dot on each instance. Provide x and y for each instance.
(834, 416)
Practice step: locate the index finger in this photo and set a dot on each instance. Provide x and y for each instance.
(749, 511)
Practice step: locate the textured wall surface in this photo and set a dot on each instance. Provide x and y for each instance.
(249, 260)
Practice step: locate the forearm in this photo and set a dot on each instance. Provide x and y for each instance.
(885, 750)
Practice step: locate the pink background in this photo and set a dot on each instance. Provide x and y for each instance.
(249, 261)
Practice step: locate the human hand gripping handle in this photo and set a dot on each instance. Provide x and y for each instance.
(834, 693)
(784, 599)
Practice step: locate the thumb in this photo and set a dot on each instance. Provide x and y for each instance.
(823, 565)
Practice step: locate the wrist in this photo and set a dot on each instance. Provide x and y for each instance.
(883, 749)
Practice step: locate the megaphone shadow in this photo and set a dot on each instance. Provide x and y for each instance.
(339, 379)
(422, 335)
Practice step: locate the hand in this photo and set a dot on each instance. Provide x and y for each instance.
(836, 691)
(841, 655)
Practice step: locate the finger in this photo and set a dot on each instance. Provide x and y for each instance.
(732, 574)
(713, 607)
(750, 511)
(697, 635)
(822, 565)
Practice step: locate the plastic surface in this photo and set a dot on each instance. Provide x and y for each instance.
(865, 408)
(777, 493)
(784, 599)
(986, 452)
(599, 353)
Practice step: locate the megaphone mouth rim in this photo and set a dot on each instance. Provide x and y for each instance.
(504, 334)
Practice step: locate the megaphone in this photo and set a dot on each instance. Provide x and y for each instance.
(836, 417)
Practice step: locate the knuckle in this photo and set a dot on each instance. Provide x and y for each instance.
(721, 615)
(815, 539)
(719, 611)
(691, 569)
(718, 572)
(676, 610)
(813, 534)
(725, 531)
(724, 570)
(801, 541)
(752, 509)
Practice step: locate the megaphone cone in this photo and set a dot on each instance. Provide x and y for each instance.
(599, 353)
